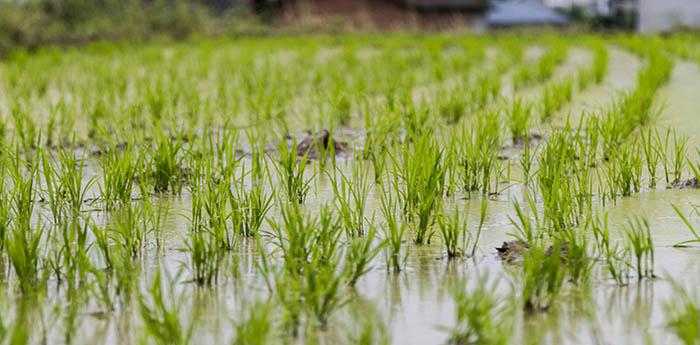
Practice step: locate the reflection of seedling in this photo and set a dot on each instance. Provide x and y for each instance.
(683, 314)
(482, 317)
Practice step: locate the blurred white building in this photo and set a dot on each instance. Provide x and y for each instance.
(664, 15)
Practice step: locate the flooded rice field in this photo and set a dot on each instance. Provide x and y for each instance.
(390, 189)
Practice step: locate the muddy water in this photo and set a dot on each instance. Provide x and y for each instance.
(678, 100)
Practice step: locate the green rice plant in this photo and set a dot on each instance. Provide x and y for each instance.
(640, 244)
(254, 207)
(310, 251)
(28, 135)
(65, 187)
(24, 254)
(695, 168)
(455, 236)
(360, 253)
(341, 106)
(616, 258)
(518, 118)
(584, 78)
(543, 69)
(689, 225)
(72, 182)
(575, 251)
(127, 230)
(322, 290)
(652, 155)
(422, 174)
(291, 173)
(526, 163)
(120, 170)
(452, 106)
(561, 183)
(482, 317)
(209, 206)
(625, 169)
(482, 220)
(160, 314)
(23, 238)
(527, 227)
(165, 165)
(600, 62)
(543, 276)
(294, 237)
(257, 326)
(351, 198)
(682, 313)
(394, 230)
(478, 148)
(554, 97)
(54, 195)
(485, 89)
(72, 262)
(205, 244)
(678, 157)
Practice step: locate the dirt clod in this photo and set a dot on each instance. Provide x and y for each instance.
(313, 144)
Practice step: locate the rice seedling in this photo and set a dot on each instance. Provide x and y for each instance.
(360, 253)
(542, 70)
(205, 244)
(652, 155)
(120, 170)
(23, 238)
(486, 89)
(165, 165)
(518, 119)
(625, 170)
(478, 149)
(688, 224)
(453, 107)
(576, 255)
(394, 231)
(695, 168)
(616, 258)
(678, 157)
(543, 276)
(527, 227)
(351, 199)
(254, 207)
(558, 185)
(526, 163)
(639, 242)
(455, 236)
(291, 171)
(554, 97)
(422, 182)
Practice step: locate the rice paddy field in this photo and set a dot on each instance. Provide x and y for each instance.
(353, 189)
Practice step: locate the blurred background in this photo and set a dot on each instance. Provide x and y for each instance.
(27, 24)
